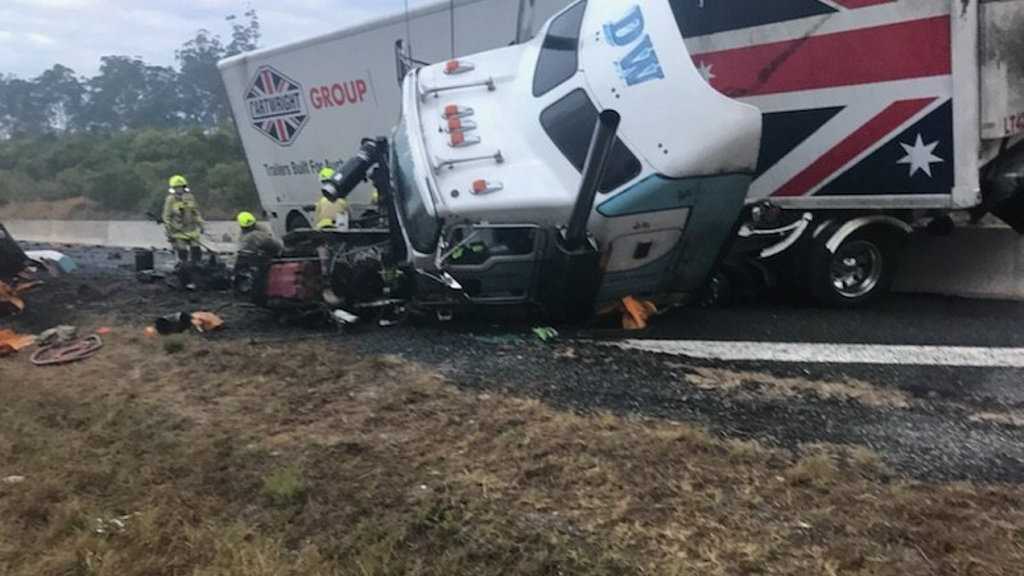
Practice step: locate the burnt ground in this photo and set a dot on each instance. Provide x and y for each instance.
(926, 423)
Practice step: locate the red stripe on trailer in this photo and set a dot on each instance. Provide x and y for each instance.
(916, 49)
(832, 161)
(268, 84)
(854, 4)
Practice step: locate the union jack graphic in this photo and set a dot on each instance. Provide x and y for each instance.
(856, 94)
(276, 105)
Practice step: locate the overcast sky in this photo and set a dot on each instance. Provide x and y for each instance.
(35, 34)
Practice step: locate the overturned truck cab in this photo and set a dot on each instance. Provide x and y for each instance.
(590, 164)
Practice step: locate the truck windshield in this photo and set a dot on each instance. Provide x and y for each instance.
(559, 56)
(422, 228)
(570, 123)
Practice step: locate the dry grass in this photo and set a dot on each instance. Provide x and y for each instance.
(227, 459)
(753, 385)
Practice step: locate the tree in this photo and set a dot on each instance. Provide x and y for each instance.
(22, 110)
(116, 95)
(203, 94)
(61, 95)
(245, 36)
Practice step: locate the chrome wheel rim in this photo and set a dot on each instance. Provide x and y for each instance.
(856, 269)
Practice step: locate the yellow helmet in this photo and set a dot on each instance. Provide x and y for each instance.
(246, 220)
(178, 181)
(327, 174)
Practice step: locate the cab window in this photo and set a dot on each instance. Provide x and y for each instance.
(559, 55)
(569, 122)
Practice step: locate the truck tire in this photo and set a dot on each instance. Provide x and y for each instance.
(861, 269)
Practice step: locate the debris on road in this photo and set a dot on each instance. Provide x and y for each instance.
(57, 335)
(635, 313)
(206, 322)
(55, 262)
(173, 323)
(73, 351)
(12, 343)
(10, 302)
(180, 322)
(11, 480)
(545, 333)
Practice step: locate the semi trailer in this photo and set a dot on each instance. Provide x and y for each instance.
(877, 116)
(307, 104)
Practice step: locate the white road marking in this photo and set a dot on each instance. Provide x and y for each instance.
(958, 356)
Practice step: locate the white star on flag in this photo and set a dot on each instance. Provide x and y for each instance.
(920, 156)
(705, 71)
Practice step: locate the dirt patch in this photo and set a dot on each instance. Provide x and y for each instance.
(313, 458)
(753, 385)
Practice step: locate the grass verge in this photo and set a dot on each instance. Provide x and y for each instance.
(228, 459)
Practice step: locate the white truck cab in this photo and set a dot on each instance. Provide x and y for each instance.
(491, 150)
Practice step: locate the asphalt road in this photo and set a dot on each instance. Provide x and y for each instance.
(895, 319)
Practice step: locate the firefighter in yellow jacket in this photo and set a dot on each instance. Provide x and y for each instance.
(183, 222)
(328, 208)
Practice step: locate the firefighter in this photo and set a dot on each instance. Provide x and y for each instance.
(329, 208)
(183, 222)
(256, 238)
(256, 247)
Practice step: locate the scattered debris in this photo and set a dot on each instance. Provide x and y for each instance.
(149, 277)
(104, 330)
(206, 322)
(636, 313)
(181, 322)
(55, 262)
(11, 301)
(545, 333)
(10, 480)
(173, 323)
(58, 335)
(343, 318)
(12, 343)
(150, 332)
(112, 526)
(66, 353)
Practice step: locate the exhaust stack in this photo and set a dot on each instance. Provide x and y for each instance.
(601, 144)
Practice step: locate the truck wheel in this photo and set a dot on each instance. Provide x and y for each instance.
(861, 269)
(296, 221)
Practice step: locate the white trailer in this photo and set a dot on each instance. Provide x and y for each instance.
(301, 106)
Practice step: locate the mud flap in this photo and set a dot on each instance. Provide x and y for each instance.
(1003, 189)
(12, 257)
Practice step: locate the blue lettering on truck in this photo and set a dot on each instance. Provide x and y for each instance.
(641, 63)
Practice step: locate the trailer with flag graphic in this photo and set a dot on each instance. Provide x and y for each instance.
(878, 115)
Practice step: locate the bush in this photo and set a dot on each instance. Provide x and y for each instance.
(126, 173)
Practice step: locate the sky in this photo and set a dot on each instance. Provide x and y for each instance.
(36, 34)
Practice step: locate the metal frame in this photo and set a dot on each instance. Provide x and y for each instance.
(967, 103)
